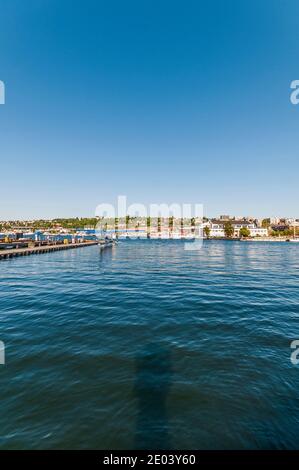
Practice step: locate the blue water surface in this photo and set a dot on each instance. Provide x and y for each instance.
(147, 345)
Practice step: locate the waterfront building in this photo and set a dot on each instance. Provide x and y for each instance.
(217, 228)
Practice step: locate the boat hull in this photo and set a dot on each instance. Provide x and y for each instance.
(106, 244)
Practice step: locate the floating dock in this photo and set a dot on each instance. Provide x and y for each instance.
(37, 250)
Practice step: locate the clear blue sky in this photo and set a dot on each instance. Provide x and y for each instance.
(162, 101)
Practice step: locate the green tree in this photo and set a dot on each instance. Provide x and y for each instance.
(228, 230)
(266, 223)
(159, 224)
(193, 222)
(282, 233)
(170, 223)
(244, 232)
(116, 222)
(207, 231)
(148, 226)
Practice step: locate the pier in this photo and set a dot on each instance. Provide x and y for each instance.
(37, 250)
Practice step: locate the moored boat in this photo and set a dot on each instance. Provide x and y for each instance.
(106, 242)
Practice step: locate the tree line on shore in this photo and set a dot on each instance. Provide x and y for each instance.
(83, 222)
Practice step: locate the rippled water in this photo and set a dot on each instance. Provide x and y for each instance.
(150, 346)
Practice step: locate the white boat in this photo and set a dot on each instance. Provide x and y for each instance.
(106, 243)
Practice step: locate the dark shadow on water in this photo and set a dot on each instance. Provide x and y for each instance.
(106, 254)
(153, 380)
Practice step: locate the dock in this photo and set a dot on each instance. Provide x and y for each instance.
(37, 250)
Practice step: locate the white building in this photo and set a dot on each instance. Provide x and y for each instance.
(259, 232)
(217, 228)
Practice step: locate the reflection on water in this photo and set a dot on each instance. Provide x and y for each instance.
(153, 379)
(105, 254)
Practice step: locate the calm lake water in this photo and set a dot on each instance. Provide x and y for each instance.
(150, 346)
